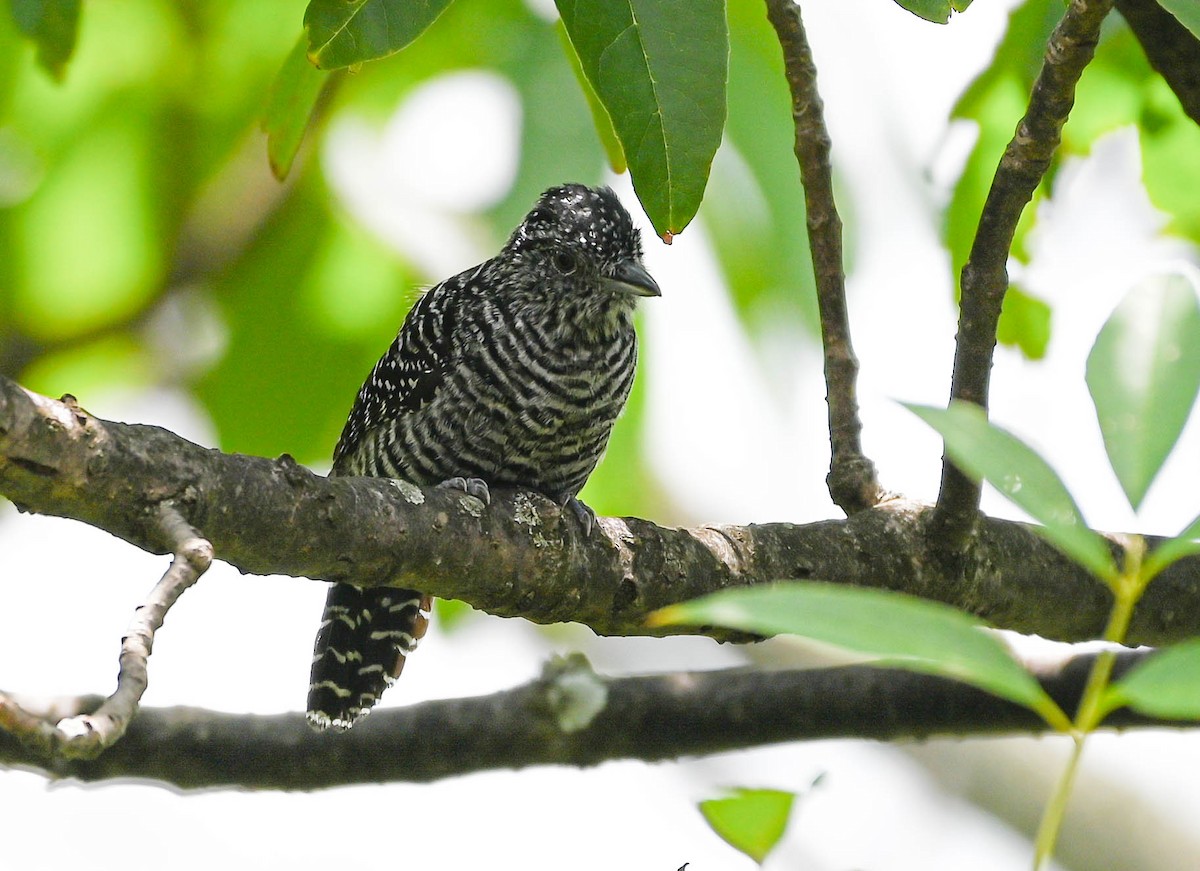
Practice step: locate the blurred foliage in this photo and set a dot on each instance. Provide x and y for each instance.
(1118, 89)
(51, 24)
(143, 240)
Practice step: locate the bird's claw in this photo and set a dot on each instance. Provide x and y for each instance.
(476, 487)
(585, 515)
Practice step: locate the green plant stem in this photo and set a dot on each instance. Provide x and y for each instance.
(1056, 810)
(1127, 590)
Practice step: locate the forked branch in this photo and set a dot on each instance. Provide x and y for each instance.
(84, 735)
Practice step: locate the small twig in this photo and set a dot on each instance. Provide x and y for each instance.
(985, 275)
(86, 735)
(852, 481)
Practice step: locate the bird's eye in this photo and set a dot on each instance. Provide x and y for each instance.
(565, 263)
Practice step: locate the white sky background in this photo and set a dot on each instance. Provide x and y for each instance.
(877, 807)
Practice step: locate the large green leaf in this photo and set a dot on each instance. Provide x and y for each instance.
(52, 25)
(604, 127)
(987, 452)
(346, 32)
(899, 630)
(290, 104)
(750, 820)
(1144, 374)
(1165, 685)
(659, 67)
(1187, 11)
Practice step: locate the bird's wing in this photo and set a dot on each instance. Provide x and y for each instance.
(410, 373)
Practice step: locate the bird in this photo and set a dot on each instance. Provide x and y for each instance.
(509, 374)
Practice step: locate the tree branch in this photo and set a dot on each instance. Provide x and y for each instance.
(852, 481)
(1170, 47)
(985, 275)
(85, 736)
(569, 716)
(522, 556)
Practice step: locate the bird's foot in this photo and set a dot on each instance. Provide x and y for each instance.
(476, 487)
(585, 515)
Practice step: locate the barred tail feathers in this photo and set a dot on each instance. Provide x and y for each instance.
(361, 646)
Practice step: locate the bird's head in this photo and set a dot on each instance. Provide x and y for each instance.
(578, 248)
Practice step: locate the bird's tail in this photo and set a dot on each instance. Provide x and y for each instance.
(360, 649)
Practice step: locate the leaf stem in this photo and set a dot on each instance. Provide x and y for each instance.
(1056, 810)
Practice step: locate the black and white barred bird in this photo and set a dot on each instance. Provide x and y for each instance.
(509, 374)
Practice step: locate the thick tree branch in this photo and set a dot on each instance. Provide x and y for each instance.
(521, 556)
(568, 717)
(985, 275)
(852, 481)
(1170, 47)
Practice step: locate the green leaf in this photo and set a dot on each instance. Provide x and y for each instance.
(52, 25)
(1187, 11)
(1025, 323)
(1144, 374)
(750, 820)
(937, 11)
(1173, 549)
(290, 103)
(987, 452)
(1165, 685)
(346, 32)
(604, 127)
(897, 629)
(659, 67)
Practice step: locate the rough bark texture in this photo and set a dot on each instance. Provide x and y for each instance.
(521, 556)
(651, 718)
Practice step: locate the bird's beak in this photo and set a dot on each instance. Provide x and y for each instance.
(631, 277)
